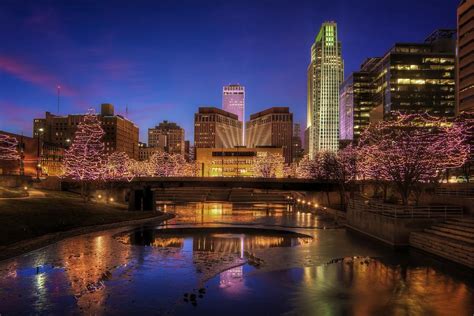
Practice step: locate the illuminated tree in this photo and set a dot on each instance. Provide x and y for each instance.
(341, 168)
(312, 168)
(289, 171)
(163, 164)
(84, 159)
(116, 167)
(8, 148)
(137, 169)
(466, 121)
(411, 149)
(268, 166)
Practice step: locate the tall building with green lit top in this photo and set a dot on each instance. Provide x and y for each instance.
(325, 75)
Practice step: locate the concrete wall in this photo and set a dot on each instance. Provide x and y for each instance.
(14, 181)
(392, 231)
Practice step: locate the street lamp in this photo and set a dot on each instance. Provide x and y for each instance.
(39, 151)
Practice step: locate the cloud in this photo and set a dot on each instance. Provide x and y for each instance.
(33, 74)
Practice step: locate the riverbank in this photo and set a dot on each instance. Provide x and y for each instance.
(32, 223)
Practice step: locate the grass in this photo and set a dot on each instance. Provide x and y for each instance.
(12, 192)
(22, 219)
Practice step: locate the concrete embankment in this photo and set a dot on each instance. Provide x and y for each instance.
(25, 246)
(452, 240)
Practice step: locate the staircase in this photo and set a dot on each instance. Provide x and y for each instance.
(452, 240)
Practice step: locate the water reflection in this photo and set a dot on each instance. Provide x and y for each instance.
(354, 286)
(225, 213)
(146, 271)
(226, 240)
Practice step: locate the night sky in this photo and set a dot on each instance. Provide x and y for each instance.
(165, 58)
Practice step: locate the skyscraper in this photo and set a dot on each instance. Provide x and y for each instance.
(465, 77)
(325, 75)
(233, 101)
(272, 127)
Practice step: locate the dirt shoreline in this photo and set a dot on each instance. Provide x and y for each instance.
(25, 246)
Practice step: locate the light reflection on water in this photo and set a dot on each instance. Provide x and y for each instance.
(148, 270)
(223, 213)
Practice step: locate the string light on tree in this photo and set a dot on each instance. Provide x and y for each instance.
(85, 157)
(8, 148)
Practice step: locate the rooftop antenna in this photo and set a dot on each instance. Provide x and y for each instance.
(126, 110)
(59, 93)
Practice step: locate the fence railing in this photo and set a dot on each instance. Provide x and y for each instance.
(406, 211)
(467, 192)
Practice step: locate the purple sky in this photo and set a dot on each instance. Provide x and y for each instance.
(165, 58)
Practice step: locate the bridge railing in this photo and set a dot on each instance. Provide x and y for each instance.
(406, 211)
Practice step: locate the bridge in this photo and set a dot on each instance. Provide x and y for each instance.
(142, 191)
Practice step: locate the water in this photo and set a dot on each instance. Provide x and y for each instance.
(238, 261)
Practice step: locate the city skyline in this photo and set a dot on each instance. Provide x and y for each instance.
(44, 51)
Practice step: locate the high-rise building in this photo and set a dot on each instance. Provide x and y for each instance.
(216, 128)
(167, 136)
(409, 78)
(121, 134)
(325, 75)
(233, 101)
(271, 127)
(465, 57)
(357, 100)
(417, 77)
(297, 143)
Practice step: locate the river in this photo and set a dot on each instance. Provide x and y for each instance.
(222, 259)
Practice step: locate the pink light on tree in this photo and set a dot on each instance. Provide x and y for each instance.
(163, 164)
(137, 169)
(117, 167)
(8, 148)
(411, 149)
(340, 167)
(84, 159)
(268, 165)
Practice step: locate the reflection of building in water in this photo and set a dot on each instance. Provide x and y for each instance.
(212, 209)
(238, 243)
(87, 262)
(232, 279)
(407, 288)
(173, 242)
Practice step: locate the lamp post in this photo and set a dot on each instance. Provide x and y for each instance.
(39, 151)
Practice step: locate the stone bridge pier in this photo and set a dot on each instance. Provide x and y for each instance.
(141, 199)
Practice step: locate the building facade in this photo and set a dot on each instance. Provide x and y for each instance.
(167, 136)
(357, 100)
(37, 158)
(233, 101)
(145, 151)
(417, 78)
(230, 162)
(216, 128)
(325, 75)
(272, 127)
(465, 56)
(409, 78)
(297, 143)
(121, 134)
